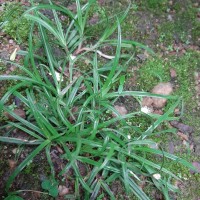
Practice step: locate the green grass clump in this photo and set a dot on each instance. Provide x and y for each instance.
(184, 23)
(155, 6)
(12, 22)
(154, 70)
(185, 67)
(71, 109)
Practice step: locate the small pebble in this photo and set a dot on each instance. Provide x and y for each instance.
(197, 166)
(63, 190)
(12, 164)
(11, 41)
(173, 73)
(121, 110)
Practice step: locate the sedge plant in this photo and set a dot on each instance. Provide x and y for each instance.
(68, 107)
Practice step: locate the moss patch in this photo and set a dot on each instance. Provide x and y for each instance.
(17, 28)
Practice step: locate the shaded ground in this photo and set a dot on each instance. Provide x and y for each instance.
(172, 30)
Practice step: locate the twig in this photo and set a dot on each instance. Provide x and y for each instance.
(99, 52)
(32, 191)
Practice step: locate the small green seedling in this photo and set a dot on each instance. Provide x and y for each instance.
(13, 197)
(51, 186)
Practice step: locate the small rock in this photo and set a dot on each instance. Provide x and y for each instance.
(21, 113)
(171, 147)
(158, 112)
(147, 101)
(17, 101)
(157, 176)
(82, 169)
(62, 17)
(7, 72)
(11, 41)
(15, 151)
(12, 68)
(72, 7)
(121, 110)
(94, 19)
(197, 166)
(63, 190)
(169, 17)
(192, 146)
(101, 2)
(12, 164)
(173, 73)
(196, 76)
(176, 111)
(163, 89)
(159, 102)
(59, 149)
(142, 57)
(185, 143)
(146, 109)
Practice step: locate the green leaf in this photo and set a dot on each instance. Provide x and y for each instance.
(122, 81)
(107, 85)
(53, 191)
(46, 184)
(13, 197)
(51, 186)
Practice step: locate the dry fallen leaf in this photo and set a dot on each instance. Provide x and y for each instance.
(15, 151)
(182, 127)
(13, 55)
